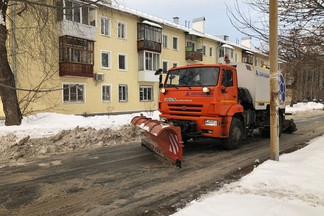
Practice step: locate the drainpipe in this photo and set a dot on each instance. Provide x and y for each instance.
(14, 41)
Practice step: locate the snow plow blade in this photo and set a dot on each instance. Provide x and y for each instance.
(161, 138)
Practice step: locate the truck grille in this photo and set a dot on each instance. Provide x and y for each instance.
(185, 108)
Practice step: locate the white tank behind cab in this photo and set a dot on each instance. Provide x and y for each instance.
(257, 81)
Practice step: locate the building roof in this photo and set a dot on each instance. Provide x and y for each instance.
(161, 21)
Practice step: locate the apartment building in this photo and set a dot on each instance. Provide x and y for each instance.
(99, 59)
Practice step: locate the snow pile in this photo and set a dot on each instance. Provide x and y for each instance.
(293, 186)
(49, 124)
(65, 141)
(49, 133)
(302, 107)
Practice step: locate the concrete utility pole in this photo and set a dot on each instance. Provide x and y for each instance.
(274, 103)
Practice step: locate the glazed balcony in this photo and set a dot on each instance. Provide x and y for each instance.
(148, 45)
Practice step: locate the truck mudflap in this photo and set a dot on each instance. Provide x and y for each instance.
(161, 138)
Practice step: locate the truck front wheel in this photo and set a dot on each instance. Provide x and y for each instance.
(235, 135)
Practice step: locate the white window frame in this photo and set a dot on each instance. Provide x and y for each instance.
(125, 29)
(81, 16)
(126, 95)
(211, 51)
(109, 59)
(256, 62)
(109, 26)
(167, 65)
(74, 102)
(173, 63)
(158, 61)
(126, 66)
(177, 48)
(142, 90)
(110, 93)
(204, 49)
(167, 41)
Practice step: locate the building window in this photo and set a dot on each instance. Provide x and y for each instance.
(221, 52)
(175, 64)
(81, 14)
(146, 93)
(123, 93)
(76, 50)
(149, 61)
(165, 41)
(175, 43)
(236, 57)
(122, 62)
(191, 44)
(211, 51)
(262, 63)
(165, 66)
(105, 59)
(122, 30)
(105, 26)
(106, 93)
(256, 61)
(204, 50)
(247, 57)
(73, 93)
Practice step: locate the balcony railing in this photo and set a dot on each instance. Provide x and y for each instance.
(194, 56)
(76, 69)
(148, 45)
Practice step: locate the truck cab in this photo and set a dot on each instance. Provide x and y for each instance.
(201, 99)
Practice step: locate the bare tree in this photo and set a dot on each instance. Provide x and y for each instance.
(301, 41)
(8, 95)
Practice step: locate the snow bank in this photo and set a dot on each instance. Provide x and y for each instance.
(302, 107)
(49, 124)
(293, 186)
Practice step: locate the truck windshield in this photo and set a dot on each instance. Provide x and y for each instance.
(192, 77)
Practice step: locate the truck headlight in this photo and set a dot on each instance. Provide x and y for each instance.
(211, 122)
(163, 90)
(206, 90)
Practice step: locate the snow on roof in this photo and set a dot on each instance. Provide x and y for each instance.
(151, 24)
(161, 21)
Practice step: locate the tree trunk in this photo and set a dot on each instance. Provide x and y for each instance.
(8, 95)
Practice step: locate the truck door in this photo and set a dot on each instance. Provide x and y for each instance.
(228, 94)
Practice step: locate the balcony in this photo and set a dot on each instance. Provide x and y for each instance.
(147, 76)
(76, 69)
(148, 45)
(193, 55)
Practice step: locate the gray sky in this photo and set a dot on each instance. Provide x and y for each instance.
(217, 21)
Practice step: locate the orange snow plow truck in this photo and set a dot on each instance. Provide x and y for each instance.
(226, 102)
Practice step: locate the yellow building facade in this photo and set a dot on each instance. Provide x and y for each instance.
(101, 59)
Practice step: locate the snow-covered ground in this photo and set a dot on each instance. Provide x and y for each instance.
(302, 107)
(291, 187)
(49, 124)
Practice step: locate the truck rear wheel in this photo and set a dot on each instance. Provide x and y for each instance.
(235, 135)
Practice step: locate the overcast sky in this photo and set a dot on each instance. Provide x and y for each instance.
(217, 21)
